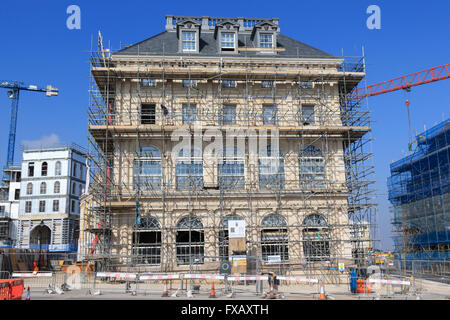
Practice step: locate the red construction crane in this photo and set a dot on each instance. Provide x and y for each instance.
(404, 82)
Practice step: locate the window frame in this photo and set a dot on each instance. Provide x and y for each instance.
(226, 44)
(265, 43)
(188, 41)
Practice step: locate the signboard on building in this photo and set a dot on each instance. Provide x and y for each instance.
(272, 259)
(236, 228)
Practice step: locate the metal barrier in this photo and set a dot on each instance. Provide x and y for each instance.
(40, 280)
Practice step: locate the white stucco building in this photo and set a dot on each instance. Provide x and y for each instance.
(52, 181)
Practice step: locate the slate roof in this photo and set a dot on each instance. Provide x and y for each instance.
(167, 43)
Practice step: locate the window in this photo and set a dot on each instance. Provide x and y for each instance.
(43, 188)
(307, 114)
(231, 169)
(29, 188)
(189, 83)
(316, 240)
(189, 42)
(73, 187)
(44, 168)
(311, 165)
(147, 241)
(271, 169)
(74, 174)
(31, 169)
(189, 170)
(2, 210)
(229, 115)
(269, 115)
(149, 83)
(72, 209)
(42, 206)
(190, 241)
(17, 194)
(227, 41)
(27, 206)
(228, 84)
(57, 187)
(265, 40)
(189, 114)
(274, 238)
(58, 168)
(148, 114)
(147, 169)
(55, 205)
(267, 84)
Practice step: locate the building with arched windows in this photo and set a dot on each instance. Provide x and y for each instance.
(48, 217)
(224, 139)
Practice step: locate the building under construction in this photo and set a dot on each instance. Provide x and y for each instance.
(297, 182)
(419, 190)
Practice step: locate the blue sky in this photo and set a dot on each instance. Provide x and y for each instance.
(37, 48)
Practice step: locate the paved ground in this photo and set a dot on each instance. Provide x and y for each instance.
(424, 289)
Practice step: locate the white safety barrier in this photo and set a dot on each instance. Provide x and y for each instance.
(246, 278)
(203, 276)
(116, 275)
(159, 276)
(32, 275)
(296, 279)
(399, 282)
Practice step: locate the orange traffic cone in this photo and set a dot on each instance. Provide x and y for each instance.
(322, 292)
(28, 294)
(213, 292)
(165, 292)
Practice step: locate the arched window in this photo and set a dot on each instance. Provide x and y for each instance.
(30, 169)
(147, 241)
(43, 188)
(311, 165)
(271, 169)
(190, 241)
(147, 169)
(57, 187)
(316, 240)
(58, 168)
(40, 237)
(231, 169)
(44, 169)
(224, 236)
(189, 170)
(274, 238)
(29, 188)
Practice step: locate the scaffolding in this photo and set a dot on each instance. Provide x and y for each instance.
(142, 210)
(419, 188)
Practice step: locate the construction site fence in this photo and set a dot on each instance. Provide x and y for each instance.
(379, 284)
(437, 270)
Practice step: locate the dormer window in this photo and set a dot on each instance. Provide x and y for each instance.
(266, 40)
(227, 41)
(189, 41)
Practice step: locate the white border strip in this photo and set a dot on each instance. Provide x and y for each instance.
(242, 278)
(407, 283)
(203, 276)
(31, 275)
(116, 275)
(159, 276)
(297, 279)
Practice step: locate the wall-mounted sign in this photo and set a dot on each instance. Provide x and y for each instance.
(236, 228)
